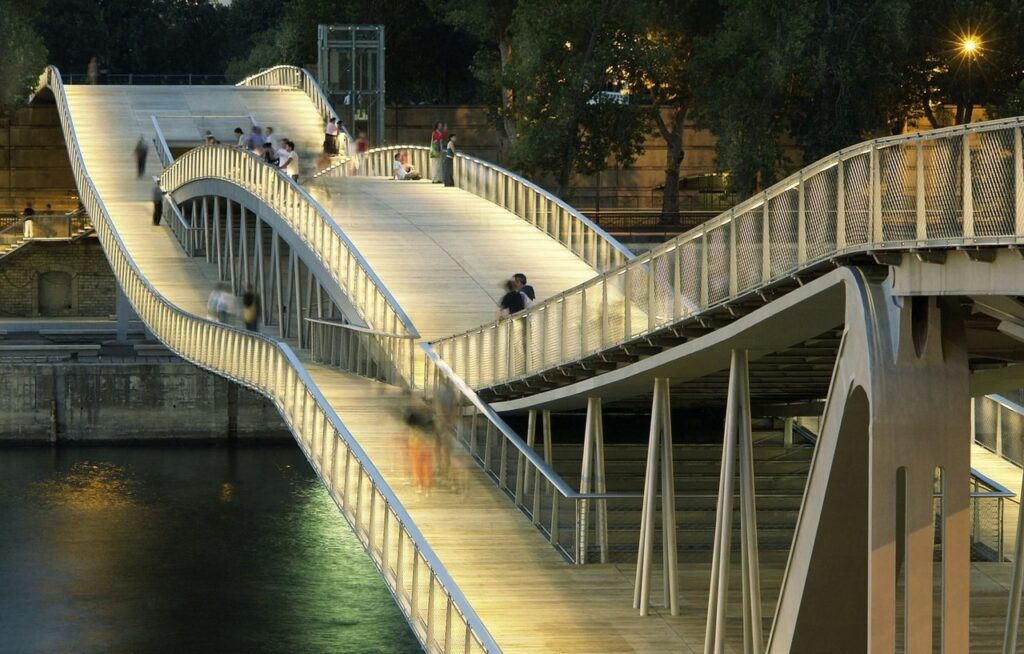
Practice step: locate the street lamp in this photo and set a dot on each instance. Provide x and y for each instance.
(969, 45)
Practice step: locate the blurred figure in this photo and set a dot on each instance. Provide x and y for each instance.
(362, 147)
(28, 210)
(158, 205)
(420, 430)
(446, 415)
(92, 71)
(268, 146)
(141, 152)
(210, 138)
(436, 162)
(255, 138)
(219, 302)
(239, 137)
(49, 209)
(251, 308)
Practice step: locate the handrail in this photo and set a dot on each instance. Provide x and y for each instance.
(272, 368)
(375, 304)
(163, 151)
(520, 476)
(521, 197)
(302, 212)
(296, 77)
(356, 328)
(896, 193)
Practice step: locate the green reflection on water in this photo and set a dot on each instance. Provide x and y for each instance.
(192, 548)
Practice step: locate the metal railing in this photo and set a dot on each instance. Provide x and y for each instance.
(41, 227)
(361, 351)
(903, 192)
(520, 197)
(299, 78)
(153, 79)
(987, 512)
(376, 306)
(439, 613)
(525, 476)
(998, 426)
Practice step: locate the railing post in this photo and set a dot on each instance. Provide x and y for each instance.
(875, 182)
(922, 219)
(801, 223)
(968, 191)
(732, 254)
(840, 205)
(1018, 184)
(766, 243)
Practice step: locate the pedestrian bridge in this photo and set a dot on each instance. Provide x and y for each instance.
(882, 279)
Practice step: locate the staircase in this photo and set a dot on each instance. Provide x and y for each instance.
(48, 227)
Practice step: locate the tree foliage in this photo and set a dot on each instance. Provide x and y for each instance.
(564, 57)
(24, 55)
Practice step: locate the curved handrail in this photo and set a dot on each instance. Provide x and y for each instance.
(522, 198)
(296, 77)
(272, 368)
(377, 306)
(895, 193)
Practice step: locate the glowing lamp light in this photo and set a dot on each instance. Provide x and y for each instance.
(970, 45)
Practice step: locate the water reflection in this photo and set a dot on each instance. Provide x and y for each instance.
(190, 548)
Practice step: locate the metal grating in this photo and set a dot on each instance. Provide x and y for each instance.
(820, 193)
(782, 218)
(749, 243)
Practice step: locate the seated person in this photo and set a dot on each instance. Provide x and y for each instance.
(403, 171)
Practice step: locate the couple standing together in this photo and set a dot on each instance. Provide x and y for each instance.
(442, 151)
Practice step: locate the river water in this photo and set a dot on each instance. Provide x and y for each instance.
(187, 549)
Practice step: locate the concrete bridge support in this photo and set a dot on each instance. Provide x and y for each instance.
(862, 569)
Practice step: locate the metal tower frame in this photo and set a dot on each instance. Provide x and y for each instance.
(350, 69)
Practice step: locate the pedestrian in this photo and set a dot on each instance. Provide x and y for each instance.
(141, 152)
(251, 310)
(268, 138)
(436, 162)
(449, 162)
(511, 302)
(420, 430)
(49, 210)
(239, 137)
(290, 162)
(400, 170)
(210, 138)
(92, 72)
(525, 289)
(255, 138)
(331, 137)
(446, 417)
(28, 211)
(158, 205)
(362, 147)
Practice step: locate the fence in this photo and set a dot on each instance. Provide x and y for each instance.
(955, 187)
(518, 196)
(161, 79)
(438, 612)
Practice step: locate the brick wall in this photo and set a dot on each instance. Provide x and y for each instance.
(92, 281)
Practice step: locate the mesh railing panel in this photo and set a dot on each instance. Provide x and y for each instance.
(718, 263)
(896, 167)
(820, 212)
(749, 228)
(690, 258)
(782, 227)
(992, 192)
(943, 170)
(857, 199)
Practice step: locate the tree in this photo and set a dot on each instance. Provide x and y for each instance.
(24, 54)
(490, 22)
(563, 59)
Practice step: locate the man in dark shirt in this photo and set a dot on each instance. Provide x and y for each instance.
(512, 301)
(527, 290)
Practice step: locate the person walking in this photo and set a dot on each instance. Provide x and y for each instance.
(255, 138)
(239, 137)
(141, 152)
(449, 162)
(436, 162)
(251, 310)
(158, 205)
